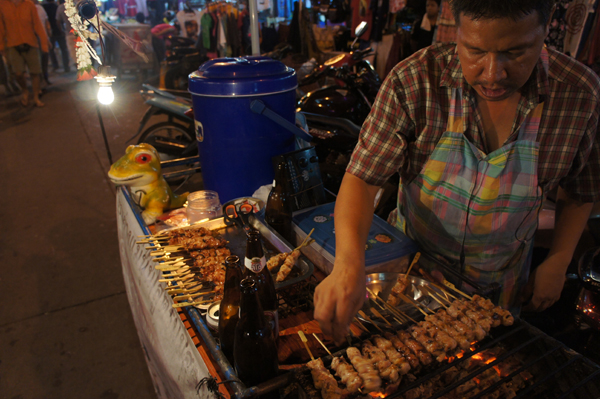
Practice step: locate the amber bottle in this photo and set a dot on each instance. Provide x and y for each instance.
(278, 211)
(256, 266)
(255, 351)
(230, 305)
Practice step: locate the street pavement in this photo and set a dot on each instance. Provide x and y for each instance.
(66, 329)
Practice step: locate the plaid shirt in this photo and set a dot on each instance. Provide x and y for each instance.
(411, 111)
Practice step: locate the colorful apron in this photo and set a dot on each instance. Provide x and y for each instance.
(475, 212)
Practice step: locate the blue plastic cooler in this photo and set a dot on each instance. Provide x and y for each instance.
(235, 144)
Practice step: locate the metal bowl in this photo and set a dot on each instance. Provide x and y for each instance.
(380, 285)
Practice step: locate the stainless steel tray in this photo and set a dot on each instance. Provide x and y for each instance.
(381, 285)
(272, 242)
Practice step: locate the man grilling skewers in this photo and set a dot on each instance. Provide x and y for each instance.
(480, 132)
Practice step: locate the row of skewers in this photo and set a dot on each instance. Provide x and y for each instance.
(380, 362)
(192, 262)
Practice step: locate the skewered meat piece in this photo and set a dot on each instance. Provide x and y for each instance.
(202, 242)
(399, 288)
(432, 346)
(288, 264)
(415, 347)
(208, 253)
(448, 328)
(507, 317)
(494, 318)
(478, 331)
(392, 354)
(199, 231)
(347, 374)
(458, 325)
(442, 337)
(276, 261)
(457, 307)
(403, 350)
(386, 369)
(366, 370)
(324, 381)
(393, 300)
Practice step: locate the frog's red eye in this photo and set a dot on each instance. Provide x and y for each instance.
(143, 158)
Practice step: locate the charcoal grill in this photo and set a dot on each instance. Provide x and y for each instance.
(557, 371)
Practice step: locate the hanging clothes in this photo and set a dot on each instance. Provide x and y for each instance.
(361, 11)
(558, 27)
(576, 17)
(446, 31)
(190, 22)
(397, 6)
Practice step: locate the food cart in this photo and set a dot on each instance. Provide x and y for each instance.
(183, 353)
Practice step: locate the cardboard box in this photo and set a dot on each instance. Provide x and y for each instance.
(387, 249)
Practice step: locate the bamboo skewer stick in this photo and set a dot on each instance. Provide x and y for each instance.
(167, 248)
(389, 307)
(361, 325)
(414, 303)
(171, 267)
(194, 288)
(323, 345)
(174, 268)
(185, 283)
(170, 262)
(380, 316)
(305, 342)
(433, 295)
(453, 288)
(395, 316)
(443, 301)
(183, 304)
(179, 298)
(414, 261)
(367, 318)
(305, 239)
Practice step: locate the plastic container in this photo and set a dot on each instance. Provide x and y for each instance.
(203, 205)
(235, 144)
(387, 249)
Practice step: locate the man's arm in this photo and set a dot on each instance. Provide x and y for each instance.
(341, 294)
(549, 277)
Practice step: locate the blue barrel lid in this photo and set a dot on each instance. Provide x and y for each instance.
(242, 76)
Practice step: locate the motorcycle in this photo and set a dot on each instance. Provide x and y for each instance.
(173, 138)
(334, 113)
(182, 58)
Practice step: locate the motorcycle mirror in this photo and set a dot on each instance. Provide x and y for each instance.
(359, 31)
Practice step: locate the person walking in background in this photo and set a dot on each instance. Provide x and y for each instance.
(21, 36)
(57, 36)
(63, 23)
(424, 28)
(46, 24)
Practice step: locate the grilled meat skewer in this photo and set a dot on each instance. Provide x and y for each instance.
(386, 369)
(392, 354)
(347, 374)
(366, 370)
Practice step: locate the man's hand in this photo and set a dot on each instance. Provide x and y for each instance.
(337, 300)
(547, 282)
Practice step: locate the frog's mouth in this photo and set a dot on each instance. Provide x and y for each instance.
(125, 179)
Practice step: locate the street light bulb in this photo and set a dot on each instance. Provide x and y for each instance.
(105, 95)
(105, 81)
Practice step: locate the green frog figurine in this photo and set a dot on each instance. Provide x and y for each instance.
(140, 170)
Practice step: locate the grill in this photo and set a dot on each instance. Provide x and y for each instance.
(547, 368)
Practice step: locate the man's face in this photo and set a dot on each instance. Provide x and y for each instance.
(498, 55)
